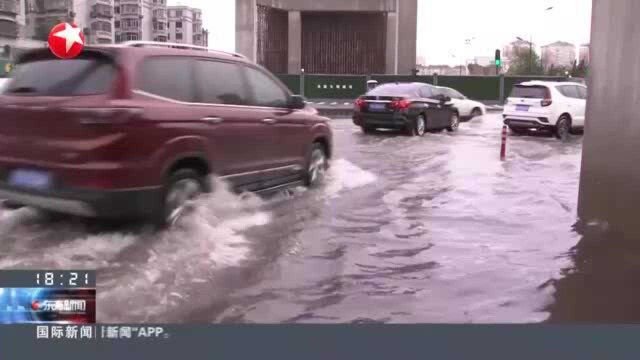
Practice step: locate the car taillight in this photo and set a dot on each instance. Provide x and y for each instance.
(102, 116)
(546, 102)
(400, 104)
(360, 103)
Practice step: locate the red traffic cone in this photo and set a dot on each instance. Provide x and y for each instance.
(503, 146)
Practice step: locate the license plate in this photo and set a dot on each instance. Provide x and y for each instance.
(522, 107)
(377, 107)
(32, 179)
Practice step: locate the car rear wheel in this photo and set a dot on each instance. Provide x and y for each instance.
(182, 186)
(454, 122)
(317, 168)
(563, 127)
(420, 127)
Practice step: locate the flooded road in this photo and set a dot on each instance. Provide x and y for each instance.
(405, 230)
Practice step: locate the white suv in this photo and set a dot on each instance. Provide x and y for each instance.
(555, 106)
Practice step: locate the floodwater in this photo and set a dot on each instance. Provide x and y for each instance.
(405, 230)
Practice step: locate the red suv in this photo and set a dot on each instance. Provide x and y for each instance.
(135, 130)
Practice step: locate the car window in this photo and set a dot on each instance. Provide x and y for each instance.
(451, 93)
(54, 77)
(530, 92)
(266, 92)
(569, 91)
(426, 91)
(168, 76)
(444, 91)
(221, 83)
(395, 90)
(435, 91)
(582, 92)
(455, 94)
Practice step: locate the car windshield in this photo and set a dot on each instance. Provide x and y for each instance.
(53, 77)
(394, 90)
(529, 91)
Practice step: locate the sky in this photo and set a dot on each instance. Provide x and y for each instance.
(444, 26)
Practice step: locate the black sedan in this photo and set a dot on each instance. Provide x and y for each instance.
(412, 107)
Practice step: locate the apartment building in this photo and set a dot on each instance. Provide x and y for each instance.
(199, 37)
(97, 18)
(94, 16)
(585, 55)
(128, 20)
(103, 21)
(42, 15)
(185, 26)
(9, 27)
(159, 26)
(558, 54)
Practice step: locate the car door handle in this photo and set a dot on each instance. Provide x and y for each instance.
(269, 121)
(212, 120)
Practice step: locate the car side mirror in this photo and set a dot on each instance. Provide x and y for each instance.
(296, 102)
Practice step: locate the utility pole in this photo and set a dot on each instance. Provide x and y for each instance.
(531, 55)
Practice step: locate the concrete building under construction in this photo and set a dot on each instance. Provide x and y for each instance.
(329, 36)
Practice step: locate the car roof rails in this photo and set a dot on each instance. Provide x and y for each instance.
(179, 46)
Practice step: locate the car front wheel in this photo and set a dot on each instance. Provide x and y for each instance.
(420, 127)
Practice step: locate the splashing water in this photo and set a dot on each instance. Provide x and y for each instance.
(344, 175)
(207, 239)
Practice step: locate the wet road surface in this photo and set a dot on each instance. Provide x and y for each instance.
(405, 230)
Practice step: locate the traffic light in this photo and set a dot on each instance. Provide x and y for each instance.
(498, 59)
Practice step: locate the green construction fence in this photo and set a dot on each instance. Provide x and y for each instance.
(486, 88)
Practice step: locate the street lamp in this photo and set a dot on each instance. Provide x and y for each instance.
(466, 60)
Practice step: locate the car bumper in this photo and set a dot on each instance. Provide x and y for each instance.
(114, 204)
(386, 121)
(527, 122)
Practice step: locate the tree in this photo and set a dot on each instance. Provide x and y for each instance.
(557, 71)
(579, 70)
(525, 62)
